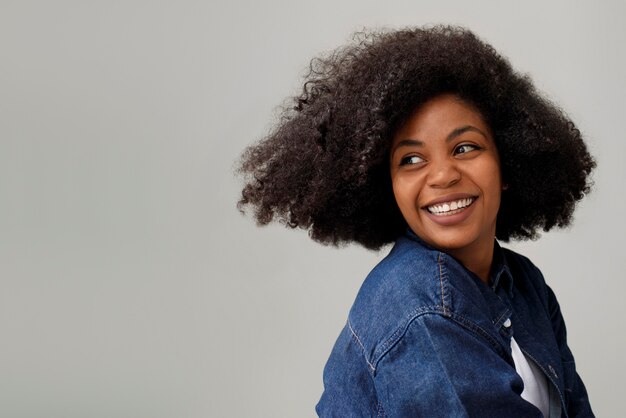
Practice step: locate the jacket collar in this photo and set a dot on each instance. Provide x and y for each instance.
(500, 275)
(500, 272)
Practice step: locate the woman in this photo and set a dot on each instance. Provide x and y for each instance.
(428, 139)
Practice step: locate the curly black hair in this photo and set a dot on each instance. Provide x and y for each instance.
(325, 166)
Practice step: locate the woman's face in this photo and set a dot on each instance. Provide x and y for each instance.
(445, 172)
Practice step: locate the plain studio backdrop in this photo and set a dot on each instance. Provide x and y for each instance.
(130, 285)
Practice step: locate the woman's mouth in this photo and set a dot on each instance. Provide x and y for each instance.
(450, 208)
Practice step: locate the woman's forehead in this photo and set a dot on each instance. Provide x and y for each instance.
(441, 116)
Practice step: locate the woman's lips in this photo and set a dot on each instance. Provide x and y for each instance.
(445, 215)
(450, 207)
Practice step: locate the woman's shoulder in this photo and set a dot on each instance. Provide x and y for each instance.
(404, 285)
(414, 280)
(407, 275)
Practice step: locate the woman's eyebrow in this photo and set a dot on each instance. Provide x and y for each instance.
(459, 131)
(409, 143)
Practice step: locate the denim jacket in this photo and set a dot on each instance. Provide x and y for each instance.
(427, 338)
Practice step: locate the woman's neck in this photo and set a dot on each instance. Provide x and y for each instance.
(478, 259)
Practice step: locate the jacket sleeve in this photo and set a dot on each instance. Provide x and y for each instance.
(348, 385)
(577, 400)
(441, 368)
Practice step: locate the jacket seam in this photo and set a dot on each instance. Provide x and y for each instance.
(441, 276)
(380, 412)
(460, 320)
(401, 330)
(507, 312)
(477, 330)
(363, 351)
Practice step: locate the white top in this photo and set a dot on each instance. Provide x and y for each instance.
(535, 382)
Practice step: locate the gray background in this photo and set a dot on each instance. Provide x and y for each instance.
(130, 286)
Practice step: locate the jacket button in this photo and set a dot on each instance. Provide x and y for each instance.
(507, 323)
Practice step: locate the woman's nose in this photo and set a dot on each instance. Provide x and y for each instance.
(443, 174)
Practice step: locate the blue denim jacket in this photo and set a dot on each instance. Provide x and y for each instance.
(426, 338)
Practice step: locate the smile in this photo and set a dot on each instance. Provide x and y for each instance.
(450, 208)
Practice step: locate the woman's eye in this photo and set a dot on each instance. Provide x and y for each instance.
(465, 148)
(411, 159)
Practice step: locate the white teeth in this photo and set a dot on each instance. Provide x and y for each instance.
(450, 208)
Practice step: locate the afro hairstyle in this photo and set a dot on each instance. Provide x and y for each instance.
(324, 167)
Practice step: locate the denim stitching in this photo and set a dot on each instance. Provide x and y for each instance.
(440, 263)
(456, 318)
(476, 329)
(562, 399)
(502, 315)
(380, 412)
(362, 346)
(399, 332)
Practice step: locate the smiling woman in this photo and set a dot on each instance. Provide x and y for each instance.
(445, 173)
(428, 139)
